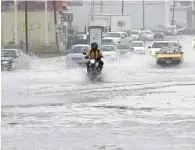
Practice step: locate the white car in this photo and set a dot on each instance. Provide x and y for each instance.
(156, 46)
(124, 48)
(109, 52)
(122, 36)
(171, 30)
(14, 59)
(148, 35)
(135, 34)
(193, 43)
(75, 55)
(138, 47)
(110, 41)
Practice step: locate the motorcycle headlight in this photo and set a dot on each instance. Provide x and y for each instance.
(92, 61)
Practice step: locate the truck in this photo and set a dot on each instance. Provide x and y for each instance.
(113, 22)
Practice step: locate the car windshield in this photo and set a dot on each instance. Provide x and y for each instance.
(8, 53)
(147, 32)
(113, 35)
(107, 48)
(107, 42)
(159, 32)
(137, 44)
(80, 36)
(134, 32)
(160, 45)
(169, 50)
(79, 49)
(123, 46)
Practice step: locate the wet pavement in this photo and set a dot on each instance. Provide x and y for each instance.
(137, 106)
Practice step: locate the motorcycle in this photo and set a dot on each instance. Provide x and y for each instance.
(93, 71)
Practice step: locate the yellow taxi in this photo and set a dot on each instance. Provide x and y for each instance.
(168, 56)
(193, 43)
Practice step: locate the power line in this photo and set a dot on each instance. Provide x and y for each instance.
(26, 25)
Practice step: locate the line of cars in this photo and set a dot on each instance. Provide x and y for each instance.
(134, 35)
(164, 52)
(110, 51)
(147, 35)
(114, 45)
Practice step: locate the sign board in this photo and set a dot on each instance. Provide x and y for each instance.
(67, 16)
(95, 34)
(99, 20)
(121, 24)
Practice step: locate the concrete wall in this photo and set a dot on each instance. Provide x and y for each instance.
(35, 20)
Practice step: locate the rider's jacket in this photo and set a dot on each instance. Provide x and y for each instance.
(94, 54)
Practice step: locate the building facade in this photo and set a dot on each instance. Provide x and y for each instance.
(36, 21)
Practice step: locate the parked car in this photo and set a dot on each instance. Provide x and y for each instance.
(14, 59)
(75, 55)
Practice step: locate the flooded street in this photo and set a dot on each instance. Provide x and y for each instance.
(137, 106)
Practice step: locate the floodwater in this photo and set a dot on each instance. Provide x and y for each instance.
(137, 106)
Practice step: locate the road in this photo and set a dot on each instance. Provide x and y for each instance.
(138, 106)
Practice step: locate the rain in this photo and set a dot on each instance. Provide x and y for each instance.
(137, 105)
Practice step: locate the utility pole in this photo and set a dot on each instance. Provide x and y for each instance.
(102, 6)
(26, 25)
(193, 14)
(46, 22)
(16, 22)
(173, 17)
(122, 7)
(143, 14)
(55, 22)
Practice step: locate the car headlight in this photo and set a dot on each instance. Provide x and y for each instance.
(5, 62)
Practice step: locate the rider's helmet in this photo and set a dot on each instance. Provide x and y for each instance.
(94, 46)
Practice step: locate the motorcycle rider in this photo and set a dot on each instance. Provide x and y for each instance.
(96, 54)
